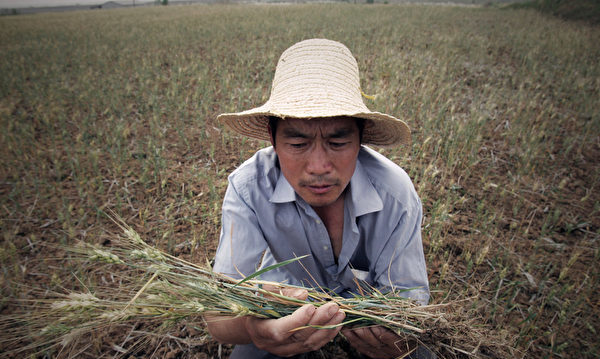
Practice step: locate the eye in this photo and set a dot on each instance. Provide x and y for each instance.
(337, 144)
(299, 145)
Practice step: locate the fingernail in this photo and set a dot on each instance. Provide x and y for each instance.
(331, 311)
(340, 315)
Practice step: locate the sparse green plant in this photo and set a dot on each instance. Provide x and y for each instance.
(116, 109)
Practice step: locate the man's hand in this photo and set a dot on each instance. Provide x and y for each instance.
(378, 342)
(277, 336)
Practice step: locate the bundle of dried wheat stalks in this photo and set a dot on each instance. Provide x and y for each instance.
(149, 285)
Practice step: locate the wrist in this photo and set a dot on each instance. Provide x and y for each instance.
(228, 330)
(246, 323)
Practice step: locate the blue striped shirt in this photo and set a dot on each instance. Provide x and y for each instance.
(264, 222)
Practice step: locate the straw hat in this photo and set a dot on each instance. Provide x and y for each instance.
(314, 79)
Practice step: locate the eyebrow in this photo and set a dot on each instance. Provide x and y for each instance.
(342, 133)
(295, 133)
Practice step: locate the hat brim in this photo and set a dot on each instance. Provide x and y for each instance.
(380, 129)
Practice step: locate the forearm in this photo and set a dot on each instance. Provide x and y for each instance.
(228, 330)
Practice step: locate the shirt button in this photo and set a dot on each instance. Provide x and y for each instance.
(317, 221)
(325, 248)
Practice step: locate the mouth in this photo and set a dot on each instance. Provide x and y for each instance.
(320, 188)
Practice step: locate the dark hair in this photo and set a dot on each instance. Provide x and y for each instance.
(273, 121)
(273, 127)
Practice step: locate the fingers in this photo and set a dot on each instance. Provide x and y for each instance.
(298, 293)
(301, 317)
(327, 315)
(310, 339)
(282, 336)
(265, 332)
(377, 342)
(358, 339)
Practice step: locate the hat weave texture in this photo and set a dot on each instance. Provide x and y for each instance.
(318, 78)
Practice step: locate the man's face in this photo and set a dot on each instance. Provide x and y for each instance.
(317, 156)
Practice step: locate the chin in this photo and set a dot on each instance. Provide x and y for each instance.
(320, 202)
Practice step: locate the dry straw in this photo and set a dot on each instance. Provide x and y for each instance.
(318, 78)
(150, 286)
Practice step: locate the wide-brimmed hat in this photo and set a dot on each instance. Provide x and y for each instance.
(318, 78)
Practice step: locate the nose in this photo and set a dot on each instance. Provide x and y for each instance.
(318, 161)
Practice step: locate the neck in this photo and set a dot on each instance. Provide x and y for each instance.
(333, 219)
(332, 210)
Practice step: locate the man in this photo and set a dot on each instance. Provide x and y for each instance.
(319, 192)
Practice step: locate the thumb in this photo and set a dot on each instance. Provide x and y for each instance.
(297, 293)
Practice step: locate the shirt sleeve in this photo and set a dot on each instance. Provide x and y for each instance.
(241, 244)
(401, 265)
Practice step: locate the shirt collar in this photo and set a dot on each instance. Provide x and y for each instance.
(363, 195)
(284, 192)
(365, 198)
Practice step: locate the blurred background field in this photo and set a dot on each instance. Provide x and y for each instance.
(115, 110)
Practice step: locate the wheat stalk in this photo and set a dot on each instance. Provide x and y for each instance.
(157, 287)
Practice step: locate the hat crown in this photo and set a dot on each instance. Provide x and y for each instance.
(317, 73)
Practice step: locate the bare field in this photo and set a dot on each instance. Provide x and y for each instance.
(115, 110)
